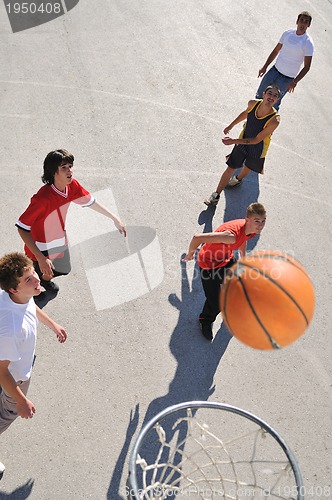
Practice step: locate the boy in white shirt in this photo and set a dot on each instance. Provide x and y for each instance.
(294, 48)
(19, 317)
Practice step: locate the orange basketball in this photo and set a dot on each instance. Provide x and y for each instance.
(267, 300)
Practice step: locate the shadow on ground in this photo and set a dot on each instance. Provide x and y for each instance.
(236, 202)
(197, 361)
(20, 493)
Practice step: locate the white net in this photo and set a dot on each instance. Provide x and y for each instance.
(184, 457)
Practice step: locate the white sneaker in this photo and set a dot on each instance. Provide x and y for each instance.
(212, 200)
(2, 470)
(234, 182)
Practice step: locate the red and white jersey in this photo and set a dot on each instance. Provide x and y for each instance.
(45, 217)
(215, 255)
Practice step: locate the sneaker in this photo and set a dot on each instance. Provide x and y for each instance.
(49, 286)
(2, 470)
(234, 182)
(213, 200)
(206, 330)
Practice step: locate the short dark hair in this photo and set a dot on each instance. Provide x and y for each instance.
(12, 267)
(275, 87)
(256, 209)
(306, 14)
(52, 161)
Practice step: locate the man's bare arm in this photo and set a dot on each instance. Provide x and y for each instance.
(268, 130)
(270, 59)
(226, 237)
(101, 209)
(303, 72)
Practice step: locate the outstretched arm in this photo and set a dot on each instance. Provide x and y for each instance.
(59, 331)
(268, 130)
(303, 72)
(271, 58)
(226, 237)
(101, 209)
(24, 407)
(242, 116)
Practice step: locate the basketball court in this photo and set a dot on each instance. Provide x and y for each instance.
(140, 93)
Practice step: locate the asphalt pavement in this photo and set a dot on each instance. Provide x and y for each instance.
(140, 93)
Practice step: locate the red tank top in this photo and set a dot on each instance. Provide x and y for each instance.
(214, 255)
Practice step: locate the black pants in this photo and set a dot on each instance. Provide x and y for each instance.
(212, 279)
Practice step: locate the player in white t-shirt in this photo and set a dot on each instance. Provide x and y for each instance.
(294, 49)
(19, 317)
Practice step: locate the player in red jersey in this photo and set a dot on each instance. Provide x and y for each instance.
(42, 225)
(217, 255)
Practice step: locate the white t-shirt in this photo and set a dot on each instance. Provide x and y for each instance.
(18, 332)
(294, 49)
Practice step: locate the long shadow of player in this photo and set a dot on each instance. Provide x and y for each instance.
(20, 493)
(237, 199)
(197, 361)
(114, 486)
(236, 202)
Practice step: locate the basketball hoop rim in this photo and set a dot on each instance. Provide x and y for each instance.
(219, 406)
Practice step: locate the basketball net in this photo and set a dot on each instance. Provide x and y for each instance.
(191, 461)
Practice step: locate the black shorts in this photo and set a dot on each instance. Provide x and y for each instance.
(238, 157)
(62, 265)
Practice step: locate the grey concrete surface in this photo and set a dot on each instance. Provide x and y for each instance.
(140, 93)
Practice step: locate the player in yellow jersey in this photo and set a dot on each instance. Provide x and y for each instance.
(251, 147)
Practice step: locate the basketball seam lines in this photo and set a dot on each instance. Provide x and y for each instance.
(273, 343)
(225, 300)
(244, 264)
(285, 258)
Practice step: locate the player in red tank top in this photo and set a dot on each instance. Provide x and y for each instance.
(217, 255)
(42, 225)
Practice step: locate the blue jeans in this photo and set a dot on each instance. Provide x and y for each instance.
(273, 77)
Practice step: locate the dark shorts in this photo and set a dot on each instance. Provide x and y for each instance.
(238, 157)
(62, 265)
